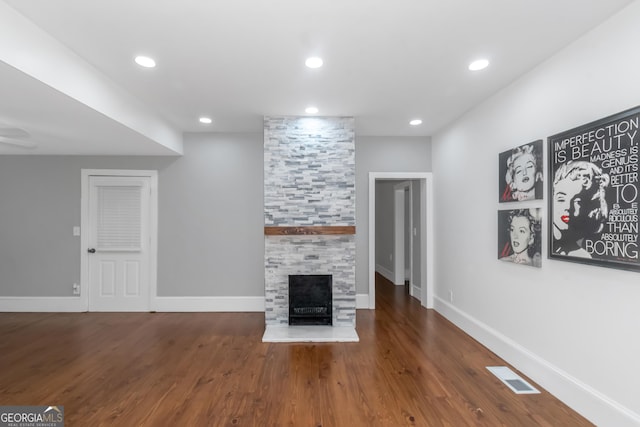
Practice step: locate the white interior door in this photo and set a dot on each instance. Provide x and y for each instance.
(118, 243)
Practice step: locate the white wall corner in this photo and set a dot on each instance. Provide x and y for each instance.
(362, 301)
(585, 400)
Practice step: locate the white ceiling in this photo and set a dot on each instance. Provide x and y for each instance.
(386, 62)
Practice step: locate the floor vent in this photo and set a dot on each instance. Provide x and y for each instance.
(512, 380)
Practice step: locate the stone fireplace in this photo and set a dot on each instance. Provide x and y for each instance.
(309, 216)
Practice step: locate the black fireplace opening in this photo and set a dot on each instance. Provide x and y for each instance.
(310, 298)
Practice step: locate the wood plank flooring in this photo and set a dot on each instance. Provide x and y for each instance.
(411, 368)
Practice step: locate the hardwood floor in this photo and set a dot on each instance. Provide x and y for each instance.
(411, 368)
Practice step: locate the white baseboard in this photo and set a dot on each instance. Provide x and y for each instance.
(385, 272)
(587, 401)
(167, 304)
(362, 301)
(204, 304)
(416, 292)
(42, 304)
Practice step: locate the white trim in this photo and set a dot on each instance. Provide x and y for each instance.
(598, 408)
(426, 230)
(42, 304)
(205, 304)
(84, 223)
(426, 242)
(162, 304)
(416, 292)
(398, 233)
(362, 301)
(385, 272)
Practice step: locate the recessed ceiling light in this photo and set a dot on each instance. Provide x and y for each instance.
(478, 65)
(145, 61)
(313, 62)
(415, 122)
(205, 120)
(311, 110)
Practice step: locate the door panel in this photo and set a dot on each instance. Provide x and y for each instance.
(107, 277)
(118, 253)
(132, 278)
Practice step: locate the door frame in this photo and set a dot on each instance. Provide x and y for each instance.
(84, 230)
(426, 232)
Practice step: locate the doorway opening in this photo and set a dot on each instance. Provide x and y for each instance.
(418, 187)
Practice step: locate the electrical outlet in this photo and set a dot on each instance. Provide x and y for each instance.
(390, 257)
(76, 289)
(451, 296)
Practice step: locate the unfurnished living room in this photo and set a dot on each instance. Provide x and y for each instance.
(346, 213)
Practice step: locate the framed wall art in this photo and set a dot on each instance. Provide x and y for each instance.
(520, 236)
(520, 173)
(594, 192)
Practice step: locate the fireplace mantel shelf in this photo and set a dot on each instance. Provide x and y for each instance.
(310, 230)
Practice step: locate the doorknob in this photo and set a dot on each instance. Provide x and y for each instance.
(91, 251)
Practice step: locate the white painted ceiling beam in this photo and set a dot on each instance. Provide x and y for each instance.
(27, 48)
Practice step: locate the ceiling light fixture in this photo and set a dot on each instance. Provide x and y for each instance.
(145, 61)
(415, 122)
(478, 65)
(205, 120)
(311, 110)
(313, 62)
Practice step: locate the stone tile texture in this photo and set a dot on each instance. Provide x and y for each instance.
(309, 180)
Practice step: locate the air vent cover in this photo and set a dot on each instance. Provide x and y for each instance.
(512, 380)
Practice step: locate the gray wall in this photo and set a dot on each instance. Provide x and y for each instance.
(385, 233)
(210, 214)
(210, 219)
(407, 232)
(211, 222)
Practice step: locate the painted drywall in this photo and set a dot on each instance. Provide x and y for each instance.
(39, 206)
(384, 229)
(212, 223)
(407, 233)
(210, 214)
(31, 50)
(573, 327)
(381, 154)
(210, 236)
